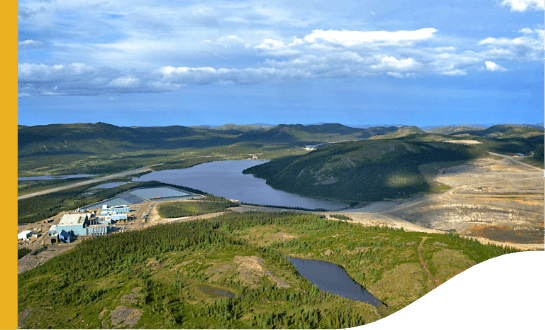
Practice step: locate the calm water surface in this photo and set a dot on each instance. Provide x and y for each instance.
(225, 179)
(110, 185)
(332, 278)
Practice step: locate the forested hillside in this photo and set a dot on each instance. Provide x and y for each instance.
(366, 170)
(230, 272)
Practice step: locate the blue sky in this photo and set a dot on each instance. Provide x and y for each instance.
(215, 62)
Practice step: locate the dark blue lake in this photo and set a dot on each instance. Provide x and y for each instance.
(332, 278)
(225, 179)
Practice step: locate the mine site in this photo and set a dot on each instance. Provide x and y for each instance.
(497, 198)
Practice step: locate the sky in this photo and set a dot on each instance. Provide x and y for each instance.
(376, 62)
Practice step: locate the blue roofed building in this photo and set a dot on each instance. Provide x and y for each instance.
(64, 236)
(74, 224)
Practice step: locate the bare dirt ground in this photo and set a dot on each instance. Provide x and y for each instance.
(496, 199)
(30, 261)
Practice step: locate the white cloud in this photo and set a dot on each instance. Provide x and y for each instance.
(393, 64)
(454, 73)
(491, 66)
(127, 81)
(369, 38)
(30, 43)
(337, 58)
(270, 44)
(527, 47)
(395, 74)
(277, 48)
(232, 40)
(524, 5)
(296, 42)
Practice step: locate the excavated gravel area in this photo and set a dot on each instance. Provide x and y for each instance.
(487, 192)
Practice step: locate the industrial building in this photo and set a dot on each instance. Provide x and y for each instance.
(114, 209)
(108, 219)
(74, 223)
(24, 235)
(79, 225)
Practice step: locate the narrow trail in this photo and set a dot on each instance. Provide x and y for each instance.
(437, 283)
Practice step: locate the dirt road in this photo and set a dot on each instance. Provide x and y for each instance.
(513, 160)
(433, 279)
(78, 184)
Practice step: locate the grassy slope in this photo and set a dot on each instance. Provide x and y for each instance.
(174, 279)
(453, 129)
(185, 209)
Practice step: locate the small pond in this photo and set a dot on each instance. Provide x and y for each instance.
(332, 278)
(213, 292)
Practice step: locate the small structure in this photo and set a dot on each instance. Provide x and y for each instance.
(24, 235)
(98, 230)
(54, 238)
(64, 236)
(114, 209)
(52, 230)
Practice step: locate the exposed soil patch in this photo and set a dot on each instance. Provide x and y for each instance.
(285, 236)
(125, 316)
(327, 252)
(104, 311)
(251, 269)
(132, 297)
(217, 271)
(23, 316)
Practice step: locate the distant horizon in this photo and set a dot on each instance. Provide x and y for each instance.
(247, 61)
(307, 124)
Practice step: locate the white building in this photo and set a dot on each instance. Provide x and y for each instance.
(24, 235)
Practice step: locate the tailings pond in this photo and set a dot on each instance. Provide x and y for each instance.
(332, 278)
(225, 179)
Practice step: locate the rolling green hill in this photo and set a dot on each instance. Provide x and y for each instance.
(230, 272)
(505, 132)
(366, 170)
(104, 148)
(453, 129)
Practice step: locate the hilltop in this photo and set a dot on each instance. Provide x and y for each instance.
(358, 171)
